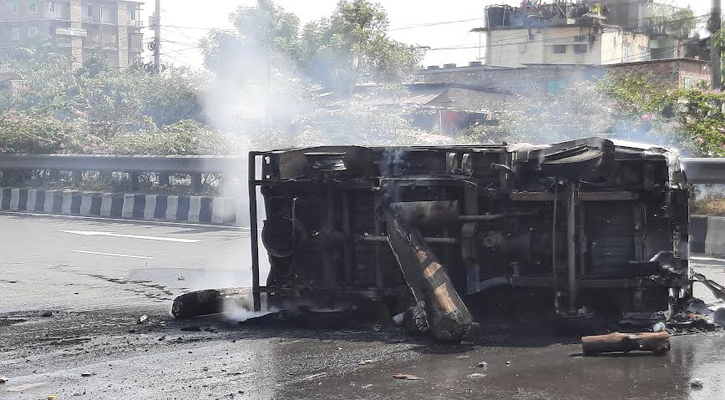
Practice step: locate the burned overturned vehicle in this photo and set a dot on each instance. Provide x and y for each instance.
(454, 234)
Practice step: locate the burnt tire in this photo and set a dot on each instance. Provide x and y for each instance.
(195, 304)
(206, 302)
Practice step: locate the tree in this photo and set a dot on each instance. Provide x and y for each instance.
(353, 47)
(265, 34)
(627, 107)
(80, 111)
(720, 42)
(349, 48)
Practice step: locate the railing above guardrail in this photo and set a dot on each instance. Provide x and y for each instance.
(194, 166)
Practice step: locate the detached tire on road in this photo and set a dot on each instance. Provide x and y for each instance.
(204, 302)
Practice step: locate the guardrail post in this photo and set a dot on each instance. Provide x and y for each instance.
(196, 182)
(133, 181)
(164, 179)
(77, 176)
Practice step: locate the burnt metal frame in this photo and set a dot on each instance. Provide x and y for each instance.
(699, 170)
(253, 183)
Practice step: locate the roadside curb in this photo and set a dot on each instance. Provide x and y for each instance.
(194, 209)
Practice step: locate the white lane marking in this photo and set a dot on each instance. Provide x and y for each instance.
(706, 259)
(98, 253)
(161, 239)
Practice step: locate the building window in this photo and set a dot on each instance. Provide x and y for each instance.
(32, 31)
(559, 49)
(642, 53)
(32, 6)
(580, 48)
(107, 14)
(626, 52)
(16, 33)
(13, 6)
(688, 82)
(51, 7)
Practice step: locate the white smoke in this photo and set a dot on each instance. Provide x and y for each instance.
(234, 310)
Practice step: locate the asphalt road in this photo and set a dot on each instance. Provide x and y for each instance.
(74, 264)
(71, 291)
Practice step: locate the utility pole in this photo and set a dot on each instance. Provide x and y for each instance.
(157, 37)
(715, 50)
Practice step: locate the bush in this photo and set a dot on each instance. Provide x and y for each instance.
(182, 138)
(711, 203)
(22, 132)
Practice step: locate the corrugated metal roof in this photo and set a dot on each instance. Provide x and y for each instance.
(423, 99)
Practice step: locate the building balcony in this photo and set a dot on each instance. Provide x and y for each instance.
(95, 21)
(62, 42)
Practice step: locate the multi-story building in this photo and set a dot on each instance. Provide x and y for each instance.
(75, 27)
(558, 33)
(668, 27)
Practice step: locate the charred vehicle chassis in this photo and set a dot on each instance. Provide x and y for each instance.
(591, 225)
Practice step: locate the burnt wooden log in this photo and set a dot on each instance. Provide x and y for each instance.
(208, 302)
(447, 316)
(656, 342)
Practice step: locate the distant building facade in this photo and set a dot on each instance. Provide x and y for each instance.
(565, 45)
(75, 27)
(585, 32)
(558, 33)
(667, 26)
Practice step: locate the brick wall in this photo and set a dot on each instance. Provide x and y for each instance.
(529, 80)
(672, 72)
(543, 78)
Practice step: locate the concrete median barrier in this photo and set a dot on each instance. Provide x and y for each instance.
(707, 235)
(158, 207)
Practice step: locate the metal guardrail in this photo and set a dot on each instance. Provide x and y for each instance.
(704, 170)
(195, 166)
(699, 170)
(115, 163)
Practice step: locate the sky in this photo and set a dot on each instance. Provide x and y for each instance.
(184, 22)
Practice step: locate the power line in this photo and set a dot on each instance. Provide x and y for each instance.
(229, 30)
(427, 24)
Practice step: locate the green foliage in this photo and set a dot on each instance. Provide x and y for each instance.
(350, 47)
(681, 22)
(692, 118)
(357, 35)
(36, 133)
(129, 112)
(182, 138)
(102, 101)
(266, 34)
(620, 106)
